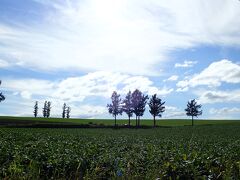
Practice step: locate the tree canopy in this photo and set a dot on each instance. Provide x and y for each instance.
(193, 109)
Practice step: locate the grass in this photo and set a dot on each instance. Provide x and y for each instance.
(11, 120)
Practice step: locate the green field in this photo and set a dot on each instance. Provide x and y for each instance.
(8, 120)
(209, 150)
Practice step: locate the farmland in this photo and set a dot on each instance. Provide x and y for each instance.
(207, 150)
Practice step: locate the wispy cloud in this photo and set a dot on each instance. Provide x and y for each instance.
(102, 35)
(211, 97)
(172, 78)
(186, 64)
(224, 111)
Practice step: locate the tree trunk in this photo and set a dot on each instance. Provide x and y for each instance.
(192, 120)
(129, 121)
(115, 120)
(136, 121)
(154, 121)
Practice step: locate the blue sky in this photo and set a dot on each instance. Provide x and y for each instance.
(79, 52)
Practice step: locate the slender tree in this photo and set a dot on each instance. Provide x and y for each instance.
(48, 109)
(64, 108)
(45, 109)
(156, 107)
(115, 107)
(35, 111)
(193, 109)
(2, 97)
(127, 106)
(68, 112)
(139, 101)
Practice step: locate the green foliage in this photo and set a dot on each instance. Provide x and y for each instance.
(35, 111)
(200, 152)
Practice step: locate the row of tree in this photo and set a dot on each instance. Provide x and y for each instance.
(135, 103)
(47, 109)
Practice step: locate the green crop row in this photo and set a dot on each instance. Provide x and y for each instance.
(203, 152)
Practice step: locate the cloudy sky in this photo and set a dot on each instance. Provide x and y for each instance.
(79, 51)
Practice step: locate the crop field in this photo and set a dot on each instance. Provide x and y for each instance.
(170, 152)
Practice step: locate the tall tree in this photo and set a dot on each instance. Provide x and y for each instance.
(45, 109)
(136, 98)
(115, 107)
(2, 97)
(193, 109)
(35, 111)
(68, 112)
(156, 107)
(127, 106)
(142, 106)
(48, 109)
(139, 101)
(64, 108)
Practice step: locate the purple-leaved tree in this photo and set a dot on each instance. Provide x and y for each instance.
(127, 106)
(115, 107)
(139, 101)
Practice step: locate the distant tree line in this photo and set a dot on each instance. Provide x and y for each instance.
(46, 110)
(135, 103)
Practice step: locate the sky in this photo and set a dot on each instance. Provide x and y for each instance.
(80, 51)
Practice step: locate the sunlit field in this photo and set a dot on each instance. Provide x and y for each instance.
(30, 121)
(208, 150)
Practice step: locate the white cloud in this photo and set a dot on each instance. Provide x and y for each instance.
(4, 64)
(26, 94)
(27, 87)
(105, 35)
(210, 97)
(89, 111)
(76, 89)
(173, 112)
(216, 73)
(186, 64)
(224, 111)
(173, 78)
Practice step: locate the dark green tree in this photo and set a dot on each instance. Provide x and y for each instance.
(156, 107)
(2, 97)
(127, 106)
(48, 109)
(68, 110)
(115, 107)
(45, 109)
(193, 109)
(35, 111)
(64, 108)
